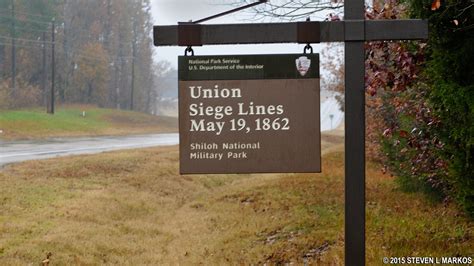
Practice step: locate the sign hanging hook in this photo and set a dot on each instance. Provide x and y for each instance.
(188, 49)
(308, 45)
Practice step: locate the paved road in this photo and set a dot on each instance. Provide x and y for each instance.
(18, 151)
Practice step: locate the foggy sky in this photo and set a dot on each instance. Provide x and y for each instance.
(169, 12)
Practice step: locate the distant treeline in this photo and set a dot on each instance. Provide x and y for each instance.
(102, 50)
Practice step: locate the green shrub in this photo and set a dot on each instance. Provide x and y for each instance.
(450, 74)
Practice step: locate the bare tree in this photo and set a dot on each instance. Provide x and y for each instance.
(291, 10)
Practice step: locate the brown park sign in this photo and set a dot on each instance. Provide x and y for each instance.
(249, 114)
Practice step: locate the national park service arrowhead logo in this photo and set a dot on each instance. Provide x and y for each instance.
(302, 65)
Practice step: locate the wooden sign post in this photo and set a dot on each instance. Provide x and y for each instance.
(354, 31)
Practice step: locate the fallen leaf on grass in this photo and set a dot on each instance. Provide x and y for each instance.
(435, 5)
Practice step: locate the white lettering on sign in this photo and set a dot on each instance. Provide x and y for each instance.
(209, 113)
(211, 126)
(199, 92)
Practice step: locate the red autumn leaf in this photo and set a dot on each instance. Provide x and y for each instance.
(371, 90)
(435, 5)
(334, 17)
(403, 134)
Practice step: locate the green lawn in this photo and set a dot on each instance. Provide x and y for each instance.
(68, 121)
